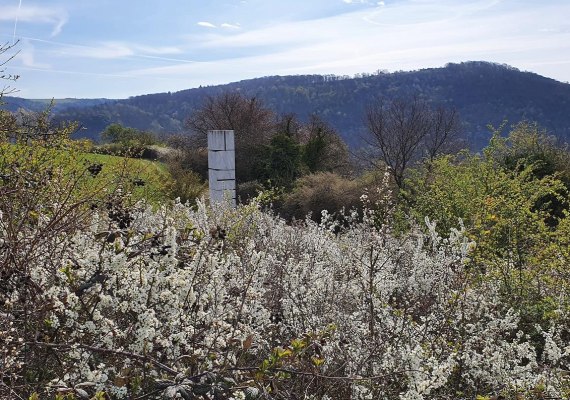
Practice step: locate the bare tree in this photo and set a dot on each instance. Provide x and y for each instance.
(231, 110)
(8, 123)
(5, 48)
(444, 134)
(288, 124)
(252, 123)
(403, 132)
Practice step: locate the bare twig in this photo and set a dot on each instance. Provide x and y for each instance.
(107, 351)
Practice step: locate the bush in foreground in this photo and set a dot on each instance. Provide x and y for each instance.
(223, 303)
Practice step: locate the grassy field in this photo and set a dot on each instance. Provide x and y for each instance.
(151, 179)
(86, 172)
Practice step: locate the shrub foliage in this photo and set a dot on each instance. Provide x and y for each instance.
(103, 295)
(237, 304)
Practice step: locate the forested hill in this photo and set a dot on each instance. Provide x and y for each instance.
(59, 105)
(484, 93)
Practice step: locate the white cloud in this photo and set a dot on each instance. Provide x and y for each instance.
(403, 35)
(230, 26)
(26, 56)
(56, 17)
(110, 50)
(357, 1)
(274, 36)
(105, 50)
(114, 50)
(206, 24)
(157, 50)
(411, 35)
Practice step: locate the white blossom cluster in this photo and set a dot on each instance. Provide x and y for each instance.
(187, 292)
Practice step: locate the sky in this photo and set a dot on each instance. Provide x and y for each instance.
(123, 48)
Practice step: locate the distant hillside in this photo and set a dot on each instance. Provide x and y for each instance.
(15, 103)
(484, 93)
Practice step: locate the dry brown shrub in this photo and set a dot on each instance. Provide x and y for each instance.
(322, 191)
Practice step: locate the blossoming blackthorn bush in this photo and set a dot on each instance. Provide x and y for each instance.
(163, 307)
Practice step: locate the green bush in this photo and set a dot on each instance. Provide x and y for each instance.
(116, 133)
(510, 206)
(247, 191)
(281, 162)
(186, 184)
(127, 150)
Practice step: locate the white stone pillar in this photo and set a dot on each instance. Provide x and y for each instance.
(222, 166)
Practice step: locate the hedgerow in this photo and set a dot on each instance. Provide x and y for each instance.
(224, 303)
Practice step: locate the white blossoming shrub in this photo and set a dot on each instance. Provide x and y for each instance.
(181, 302)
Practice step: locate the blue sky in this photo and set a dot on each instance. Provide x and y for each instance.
(122, 48)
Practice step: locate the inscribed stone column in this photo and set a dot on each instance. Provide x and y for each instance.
(221, 166)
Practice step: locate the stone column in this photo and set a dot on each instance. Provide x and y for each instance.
(222, 166)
